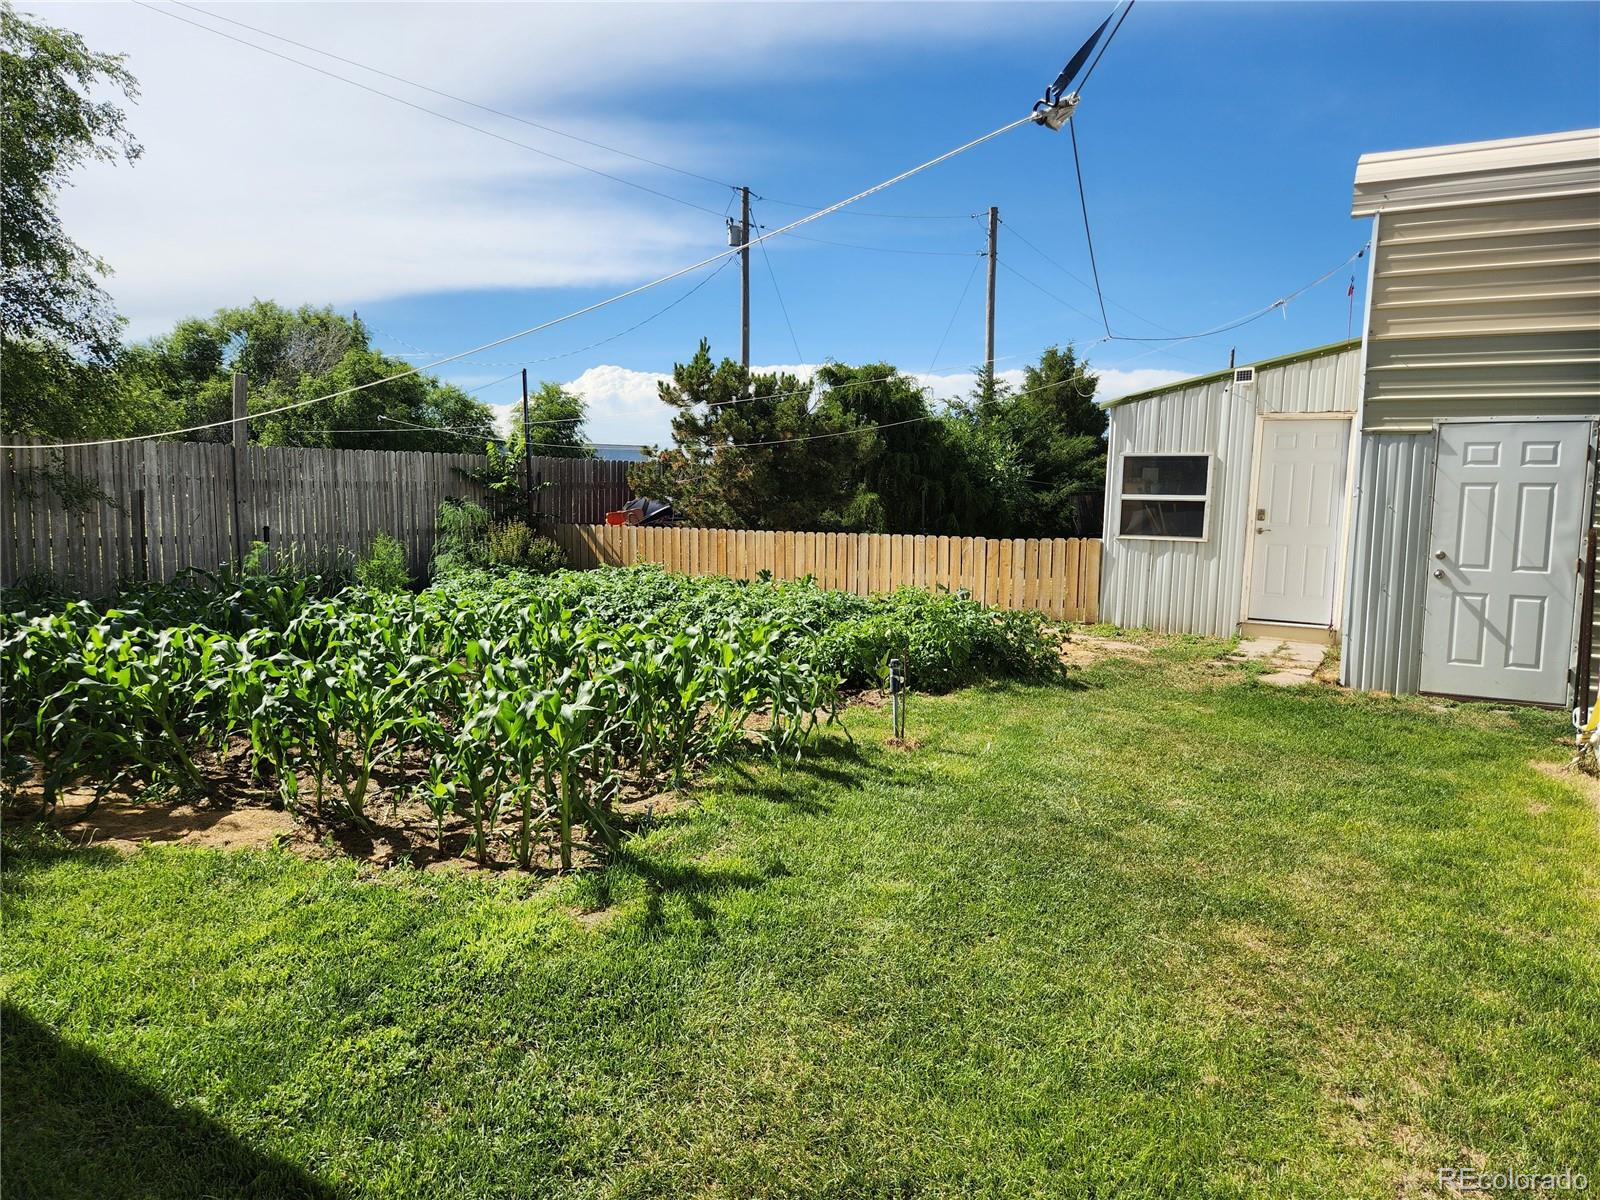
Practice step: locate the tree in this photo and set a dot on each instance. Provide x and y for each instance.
(557, 418)
(867, 454)
(713, 478)
(288, 355)
(61, 333)
(1038, 450)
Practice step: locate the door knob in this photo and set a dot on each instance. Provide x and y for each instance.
(1438, 574)
(1438, 553)
(1262, 529)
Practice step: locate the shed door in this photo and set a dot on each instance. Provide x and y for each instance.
(1508, 512)
(1299, 509)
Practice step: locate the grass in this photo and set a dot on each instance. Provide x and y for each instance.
(1169, 933)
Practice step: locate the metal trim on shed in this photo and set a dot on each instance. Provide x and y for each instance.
(1546, 164)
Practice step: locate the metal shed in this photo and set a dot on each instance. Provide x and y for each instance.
(1227, 498)
(1480, 395)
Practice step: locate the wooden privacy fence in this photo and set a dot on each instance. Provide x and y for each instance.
(579, 491)
(94, 516)
(1059, 576)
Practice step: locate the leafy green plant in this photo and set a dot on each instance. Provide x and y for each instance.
(514, 544)
(383, 567)
(460, 536)
(546, 693)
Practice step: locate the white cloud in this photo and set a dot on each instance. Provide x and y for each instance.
(625, 405)
(1115, 383)
(263, 178)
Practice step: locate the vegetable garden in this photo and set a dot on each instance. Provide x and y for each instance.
(518, 707)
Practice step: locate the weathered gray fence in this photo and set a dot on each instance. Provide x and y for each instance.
(94, 516)
(580, 491)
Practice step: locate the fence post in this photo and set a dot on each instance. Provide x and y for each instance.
(527, 458)
(241, 440)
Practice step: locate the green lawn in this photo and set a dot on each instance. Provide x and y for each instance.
(1169, 933)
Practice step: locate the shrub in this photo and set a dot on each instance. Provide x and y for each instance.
(461, 536)
(945, 640)
(383, 567)
(513, 544)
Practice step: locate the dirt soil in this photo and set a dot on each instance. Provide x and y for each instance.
(239, 814)
(125, 825)
(1084, 650)
(1588, 785)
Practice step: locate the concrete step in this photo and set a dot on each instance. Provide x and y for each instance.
(1316, 634)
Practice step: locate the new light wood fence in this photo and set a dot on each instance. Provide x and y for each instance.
(1059, 576)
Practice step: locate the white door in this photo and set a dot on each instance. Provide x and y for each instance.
(1300, 485)
(1508, 512)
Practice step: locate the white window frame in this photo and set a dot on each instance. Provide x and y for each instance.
(1204, 498)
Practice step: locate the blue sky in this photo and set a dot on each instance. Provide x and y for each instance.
(1218, 141)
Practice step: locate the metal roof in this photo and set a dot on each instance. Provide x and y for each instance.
(1547, 164)
(1282, 360)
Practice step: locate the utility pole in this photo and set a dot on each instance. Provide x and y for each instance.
(744, 278)
(241, 473)
(988, 315)
(527, 450)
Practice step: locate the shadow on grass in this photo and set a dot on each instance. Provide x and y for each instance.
(695, 885)
(29, 846)
(77, 1126)
(831, 761)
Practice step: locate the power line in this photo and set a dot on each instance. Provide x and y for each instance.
(1042, 290)
(896, 216)
(1072, 128)
(432, 112)
(782, 307)
(1104, 46)
(588, 308)
(458, 99)
(1016, 233)
(879, 249)
(660, 312)
(932, 416)
(528, 121)
(1279, 303)
(954, 313)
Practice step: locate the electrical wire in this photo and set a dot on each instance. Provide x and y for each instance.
(782, 307)
(588, 308)
(1072, 128)
(955, 312)
(869, 213)
(532, 124)
(1042, 290)
(1016, 233)
(1104, 46)
(529, 362)
(1279, 303)
(432, 112)
(812, 437)
(216, 16)
(801, 237)
(483, 387)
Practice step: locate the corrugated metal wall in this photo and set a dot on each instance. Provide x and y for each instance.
(1389, 563)
(1198, 587)
(1485, 310)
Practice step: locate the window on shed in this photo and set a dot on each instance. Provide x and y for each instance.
(1165, 495)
